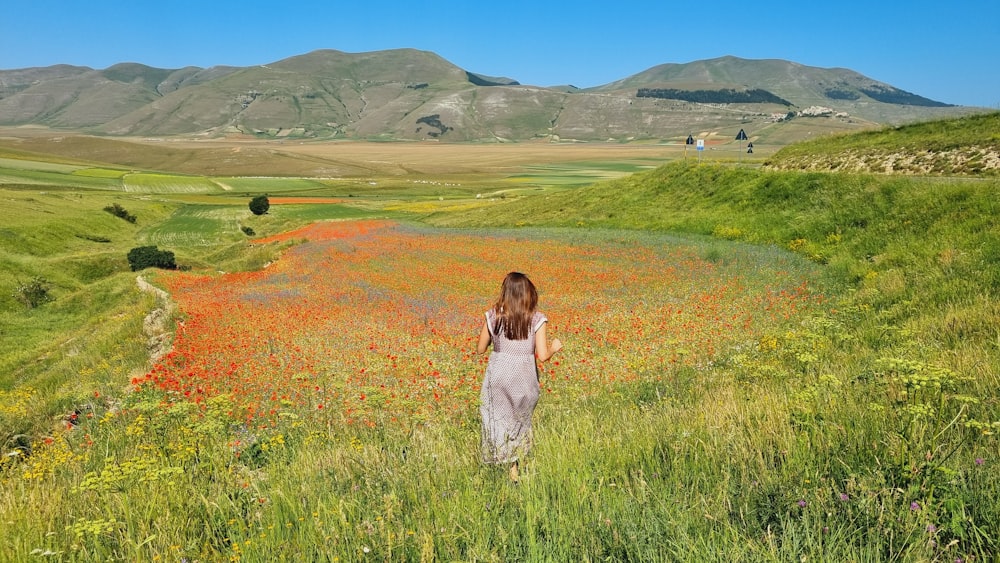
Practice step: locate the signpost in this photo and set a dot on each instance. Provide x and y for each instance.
(689, 141)
(701, 147)
(742, 136)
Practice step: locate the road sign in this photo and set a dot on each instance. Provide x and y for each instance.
(742, 136)
(689, 141)
(701, 144)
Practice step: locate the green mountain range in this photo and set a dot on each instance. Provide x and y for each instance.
(407, 94)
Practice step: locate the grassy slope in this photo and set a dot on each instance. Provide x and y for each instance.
(965, 146)
(91, 336)
(979, 129)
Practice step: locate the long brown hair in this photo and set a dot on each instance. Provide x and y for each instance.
(515, 306)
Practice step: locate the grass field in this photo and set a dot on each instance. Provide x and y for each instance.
(760, 365)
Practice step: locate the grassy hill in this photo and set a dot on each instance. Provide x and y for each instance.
(961, 147)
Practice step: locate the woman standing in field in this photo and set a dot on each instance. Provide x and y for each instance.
(510, 387)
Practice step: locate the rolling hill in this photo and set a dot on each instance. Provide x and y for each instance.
(407, 94)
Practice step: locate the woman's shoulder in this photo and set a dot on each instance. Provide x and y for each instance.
(537, 319)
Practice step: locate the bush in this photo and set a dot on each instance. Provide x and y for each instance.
(143, 257)
(248, 231)
(119, 211)
(33, 293)
(94, 238)
(259, 205)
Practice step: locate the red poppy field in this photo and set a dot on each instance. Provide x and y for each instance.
(325, 407)
(374, 323)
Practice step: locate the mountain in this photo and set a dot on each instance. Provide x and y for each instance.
(407, 94)
(840, 89)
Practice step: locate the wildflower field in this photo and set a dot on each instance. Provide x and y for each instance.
(327, 406)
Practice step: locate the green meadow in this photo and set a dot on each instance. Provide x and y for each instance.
(866, 430)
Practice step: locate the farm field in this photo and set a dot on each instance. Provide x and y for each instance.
(417, 161)
(759, 365)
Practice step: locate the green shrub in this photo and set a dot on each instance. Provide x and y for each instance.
(259, 205)
(94, 238)
(33, 293)
(143, 257)
(119, 211)
(247, 231)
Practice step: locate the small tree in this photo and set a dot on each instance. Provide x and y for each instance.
(119, 211)
(259, 205)
(143, 257)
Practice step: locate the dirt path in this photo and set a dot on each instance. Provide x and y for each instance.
(154, 326)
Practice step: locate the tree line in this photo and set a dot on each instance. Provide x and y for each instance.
(724, 96)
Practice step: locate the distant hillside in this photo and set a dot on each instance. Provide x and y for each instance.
(839, 89)
(406, 94)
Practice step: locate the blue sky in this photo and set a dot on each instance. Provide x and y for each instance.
(946, 51)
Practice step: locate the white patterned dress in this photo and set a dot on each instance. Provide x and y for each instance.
(509, 394)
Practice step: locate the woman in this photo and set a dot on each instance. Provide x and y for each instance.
(510, 386)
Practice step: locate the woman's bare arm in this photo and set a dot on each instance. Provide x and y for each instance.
(542, 349)
(484, 338)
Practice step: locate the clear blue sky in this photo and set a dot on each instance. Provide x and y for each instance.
(946, 51)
